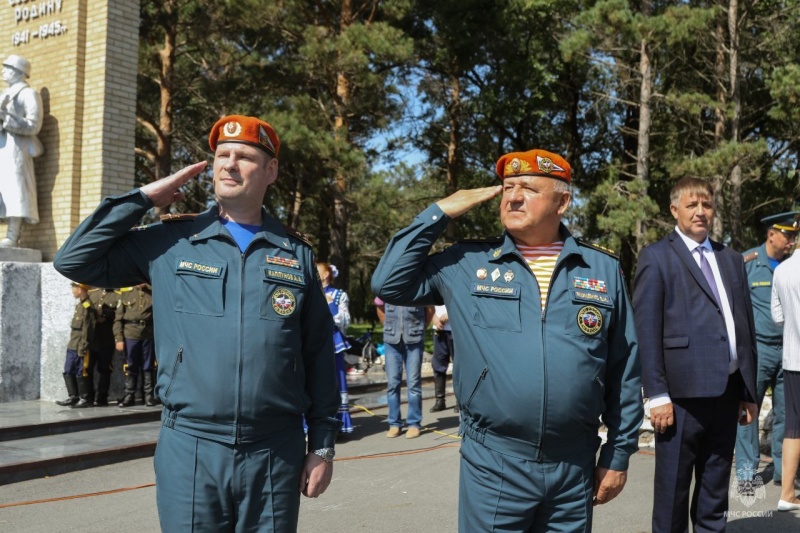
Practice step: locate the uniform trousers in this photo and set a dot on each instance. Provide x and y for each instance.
(78, 366)
(442, 351)
(499, 492)
(208, 486)
(104, 359)
(770, 374)
(700, 442)
(140, 355)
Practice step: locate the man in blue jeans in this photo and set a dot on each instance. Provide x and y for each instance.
(403, 336)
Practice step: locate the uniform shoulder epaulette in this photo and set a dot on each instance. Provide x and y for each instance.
(495, 239)
(749, 257)
(86, 303)
(178, 217)
(597, 247)
(294, 233)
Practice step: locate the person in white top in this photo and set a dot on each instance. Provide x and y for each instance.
(786, 305)
(442, 356)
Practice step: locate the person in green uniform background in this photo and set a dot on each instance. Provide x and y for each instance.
(78, 366)
(133, 334)
(760, 264)
(104, 302)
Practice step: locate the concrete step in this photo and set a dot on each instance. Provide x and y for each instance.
(40, 438)
(37, 457)
(37, 418)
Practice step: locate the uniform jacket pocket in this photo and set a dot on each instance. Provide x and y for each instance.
(199, 287)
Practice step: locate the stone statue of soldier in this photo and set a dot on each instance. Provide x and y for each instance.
(20, 121)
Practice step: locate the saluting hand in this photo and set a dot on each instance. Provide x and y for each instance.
(167, 190)
(462, 201)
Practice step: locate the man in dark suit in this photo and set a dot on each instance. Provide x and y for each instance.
(696, 335)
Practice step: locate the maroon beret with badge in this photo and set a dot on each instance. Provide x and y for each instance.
(244, 130)
(534, 163)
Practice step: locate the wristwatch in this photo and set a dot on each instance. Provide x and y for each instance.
(327, 454)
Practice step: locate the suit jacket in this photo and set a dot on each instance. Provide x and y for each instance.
(683, 342)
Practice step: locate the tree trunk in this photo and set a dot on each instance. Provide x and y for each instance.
(645, 121)
(737, 241)
(719, 129)
(339, 255)
(454, 120)
(166, 82)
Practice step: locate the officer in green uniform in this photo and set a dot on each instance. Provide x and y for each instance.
(104, 302)
(760, 264)
(133, 335)
(544, 332)
(243, 335)
(78, 366)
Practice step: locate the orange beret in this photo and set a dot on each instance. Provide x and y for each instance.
(245, 130)
(81, 285)
(534, 163)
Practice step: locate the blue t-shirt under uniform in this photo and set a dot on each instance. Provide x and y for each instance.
(242, 233)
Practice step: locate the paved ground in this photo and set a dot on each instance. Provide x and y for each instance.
(380, 485)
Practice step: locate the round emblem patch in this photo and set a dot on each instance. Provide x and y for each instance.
(283, 302)
(545, 165)
(590, 320)
(232, 129)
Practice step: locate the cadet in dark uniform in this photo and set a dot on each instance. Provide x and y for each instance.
(760, 263)
(244, 339)
(78, 365)
(133, 333)
(104, 302)
(546, 345)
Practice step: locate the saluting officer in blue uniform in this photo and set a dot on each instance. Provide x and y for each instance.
(243, 335)
(760, 265)
(544, 332)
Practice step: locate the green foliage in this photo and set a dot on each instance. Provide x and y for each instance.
(460, 82)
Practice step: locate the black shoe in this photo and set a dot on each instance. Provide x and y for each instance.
(68, 402)
(101, 402)
(126, 401)
(82, 403)
(440, 405)
(152, 402)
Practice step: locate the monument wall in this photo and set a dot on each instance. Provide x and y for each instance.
(84, 63)
(84, 59)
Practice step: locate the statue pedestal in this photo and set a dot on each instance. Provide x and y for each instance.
(20, 255)
(36, 306)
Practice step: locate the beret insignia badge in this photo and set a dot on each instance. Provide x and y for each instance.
(546, 165)
(232, 129)
(264, 139)
(517, 166)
